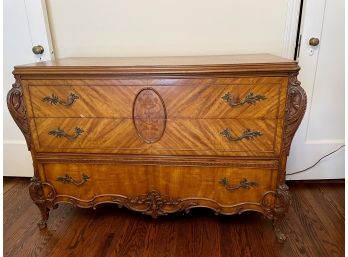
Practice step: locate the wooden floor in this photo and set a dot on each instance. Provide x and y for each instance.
(315, 227)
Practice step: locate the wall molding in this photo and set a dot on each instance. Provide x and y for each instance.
(326, 142)
(14, 142)
(290, 31)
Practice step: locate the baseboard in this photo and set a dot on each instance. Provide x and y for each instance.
(17, 160)
(317, 181)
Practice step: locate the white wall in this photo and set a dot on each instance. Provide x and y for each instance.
(133, 28)
(166, 27)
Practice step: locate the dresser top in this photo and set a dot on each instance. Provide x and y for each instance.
(161, 65)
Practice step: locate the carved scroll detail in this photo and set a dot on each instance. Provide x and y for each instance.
(295, 110)
(154, 204)
(16, 106)
(267, 204)
(275, 205)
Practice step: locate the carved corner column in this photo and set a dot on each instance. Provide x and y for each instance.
(295, 110)
(18, 111)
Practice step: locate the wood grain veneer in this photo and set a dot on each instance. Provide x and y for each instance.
(184, 98)
(111, 180)
(181, 135)
(160, 135)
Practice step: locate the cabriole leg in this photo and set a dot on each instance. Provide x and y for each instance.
(38, 197)
(278, 231)
(280, 210)
(44, 217)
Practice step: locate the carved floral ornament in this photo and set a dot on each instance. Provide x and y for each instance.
(155, 204)
(149, 115)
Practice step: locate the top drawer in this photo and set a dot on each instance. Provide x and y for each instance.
(257, 97)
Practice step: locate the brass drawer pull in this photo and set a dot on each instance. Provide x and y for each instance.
(249, 99)
(69, 180)
(247, 134)
(61, 133)
(55, 99)
(244, 183)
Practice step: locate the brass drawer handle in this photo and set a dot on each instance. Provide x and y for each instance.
(55, 99)
(249, 99)
(61, 133)
(69, 180)
(247, 134)
(244, 183)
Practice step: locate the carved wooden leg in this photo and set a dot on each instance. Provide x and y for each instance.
(38, 197)
(280, 210)
(44, 216)
(280, 235)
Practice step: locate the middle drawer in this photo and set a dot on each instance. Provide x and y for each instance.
(231, 137)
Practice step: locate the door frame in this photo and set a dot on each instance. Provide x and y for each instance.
(291, 28)
(37, 11)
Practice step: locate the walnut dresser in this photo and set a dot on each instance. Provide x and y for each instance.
(160, 135)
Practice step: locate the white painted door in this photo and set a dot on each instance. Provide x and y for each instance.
(322, 76)
(25, 25)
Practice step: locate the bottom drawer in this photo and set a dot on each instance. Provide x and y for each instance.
(87, 185)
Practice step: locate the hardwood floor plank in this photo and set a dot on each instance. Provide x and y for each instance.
(319, 234)
(44, 242)
(132, 242)
(299, 240)
(332, 217)
(331, 193)
(232, 234)
(9, 183)
(194, 232)
(16, 200)
(160, 238)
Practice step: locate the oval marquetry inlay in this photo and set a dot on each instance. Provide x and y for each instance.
(149, 115)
